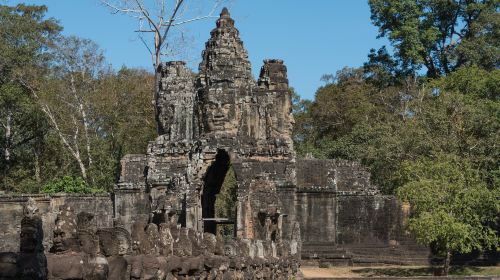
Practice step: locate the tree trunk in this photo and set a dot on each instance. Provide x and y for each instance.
(36, 154)
(8, 137)
(83, 113)
(74, 152)
(83, 169)
(446, 265)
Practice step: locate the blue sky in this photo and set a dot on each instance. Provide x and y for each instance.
(313, 37)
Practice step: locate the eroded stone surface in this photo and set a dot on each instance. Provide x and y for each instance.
(163, 223)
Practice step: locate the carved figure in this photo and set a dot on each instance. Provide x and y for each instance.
(67, 262)
(31, 262)
(115, 243)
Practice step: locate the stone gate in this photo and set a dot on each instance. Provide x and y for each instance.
(221, 117)
(208, 122)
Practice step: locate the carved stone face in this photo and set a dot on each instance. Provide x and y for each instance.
(89, 244)
(123, 245)
(219, 113)
(62, 241)
(99, 268)
(65, 231)
(230, 250)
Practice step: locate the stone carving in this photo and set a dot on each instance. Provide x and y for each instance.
(65, 231)
(31, 261)
(116, 243)
(209, 122)
(95, 264)
(272, 220)
(166, 240)
(66, 260)
(104, 253)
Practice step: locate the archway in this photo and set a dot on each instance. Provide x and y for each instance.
(212, 199)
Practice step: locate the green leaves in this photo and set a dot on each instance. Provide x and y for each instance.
(69, 184)
(225, 203)
(53, 89)
(25, 35)
(451, 207)
(441, 35)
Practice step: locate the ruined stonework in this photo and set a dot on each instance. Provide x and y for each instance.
(161, 221)
(218, 118)
(221, 117)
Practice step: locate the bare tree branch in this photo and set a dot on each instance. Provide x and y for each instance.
(157, 23)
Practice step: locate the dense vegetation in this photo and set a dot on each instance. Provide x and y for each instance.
(225, 203)
(66, 118)
(422, 116)
(425, 120)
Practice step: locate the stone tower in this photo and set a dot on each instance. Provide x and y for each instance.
(218, 118)
(221, 117)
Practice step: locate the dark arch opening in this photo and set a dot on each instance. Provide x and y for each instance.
(212, 186)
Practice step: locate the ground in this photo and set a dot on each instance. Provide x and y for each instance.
(401, 271)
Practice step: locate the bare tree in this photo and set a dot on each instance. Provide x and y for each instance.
(160, 18)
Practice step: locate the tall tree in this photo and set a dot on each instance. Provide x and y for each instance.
(441, 35)
(453, 210)
(64, 96)
(126, 113)
(25, 36)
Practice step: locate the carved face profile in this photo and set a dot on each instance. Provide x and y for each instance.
(65, 231)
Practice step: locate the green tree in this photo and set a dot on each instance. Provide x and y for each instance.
(124, 122)
(65, 97)
(472, 81)
(124, 103)
(441, 35)
(23, 128)
(382, 127)
(25, 36)
(382, 70)
(452, 208)
(225, 203)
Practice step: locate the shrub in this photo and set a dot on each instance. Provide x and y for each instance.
(70, 184)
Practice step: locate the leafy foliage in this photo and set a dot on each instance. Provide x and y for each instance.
(25, 36)
(453, 208)
(433, 142)
(101, 114)
(441, 35)
(69, 184)
(354, 119)
(225, 203)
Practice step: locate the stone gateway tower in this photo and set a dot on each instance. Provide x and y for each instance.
(209, 121)
(221, 118)
(163, 215)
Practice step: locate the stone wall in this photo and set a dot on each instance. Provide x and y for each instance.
(344, 219)
(11, 213)
(130, 197)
